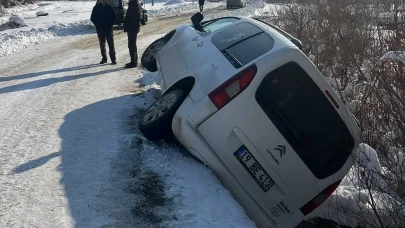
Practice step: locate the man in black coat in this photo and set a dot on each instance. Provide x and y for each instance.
(132, 24)
(201, 3)
(103, 17)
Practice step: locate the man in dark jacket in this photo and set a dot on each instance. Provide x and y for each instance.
(103, 17)
(201, 3)
(132, 24)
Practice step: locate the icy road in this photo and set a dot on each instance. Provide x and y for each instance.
(70, 151)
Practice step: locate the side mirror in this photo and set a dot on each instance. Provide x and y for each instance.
(196, 20)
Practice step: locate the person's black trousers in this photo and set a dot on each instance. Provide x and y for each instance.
(108, 35)
(133, 50)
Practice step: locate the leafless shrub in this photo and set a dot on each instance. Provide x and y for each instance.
(3, 3)
(346, 40)
(8, 3)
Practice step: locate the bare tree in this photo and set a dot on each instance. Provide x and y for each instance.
(4, 3)
(346, 40)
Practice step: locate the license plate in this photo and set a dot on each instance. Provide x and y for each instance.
(254, 168)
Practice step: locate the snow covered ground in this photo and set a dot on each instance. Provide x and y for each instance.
(169, 7)
(70, 151)
(67, 19)
(72, 18)
(71, 154)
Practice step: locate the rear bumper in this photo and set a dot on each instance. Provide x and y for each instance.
(186, 132)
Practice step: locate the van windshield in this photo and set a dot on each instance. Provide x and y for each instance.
(306, 119)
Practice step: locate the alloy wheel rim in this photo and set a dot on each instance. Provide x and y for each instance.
(151, 52)
(160, 107)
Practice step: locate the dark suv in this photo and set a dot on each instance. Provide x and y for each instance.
(120, 8)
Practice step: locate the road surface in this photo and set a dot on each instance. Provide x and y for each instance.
(65, 158)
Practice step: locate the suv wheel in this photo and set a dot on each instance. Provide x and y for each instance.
(156, 122)
(144, 19)
(148, 58)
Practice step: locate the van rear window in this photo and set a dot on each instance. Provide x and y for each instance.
(306, 118)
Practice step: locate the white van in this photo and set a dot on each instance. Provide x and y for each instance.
(242, 97)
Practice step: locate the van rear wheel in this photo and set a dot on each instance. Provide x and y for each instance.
(156, 122)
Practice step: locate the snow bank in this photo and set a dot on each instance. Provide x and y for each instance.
(13, 42)
(5, 13)
(174, 2)
(175, 7)
(65, 18)
(18, 20)
(351, 202)
(10, 43)
(251, 9)
(75, 28)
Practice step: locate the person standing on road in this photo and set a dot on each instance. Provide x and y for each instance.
(132, 24)
(103, 17)
(201, 3)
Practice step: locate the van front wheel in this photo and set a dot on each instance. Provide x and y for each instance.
(148, 58)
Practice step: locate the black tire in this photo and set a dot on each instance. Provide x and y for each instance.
(148, 61)
(161, 127)
(144, 20)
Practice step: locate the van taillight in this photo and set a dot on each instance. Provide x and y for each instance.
(231, 88)
(319, 199)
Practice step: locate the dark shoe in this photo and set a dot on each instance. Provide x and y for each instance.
(113, 62)
(131, 65)
(103, 61)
